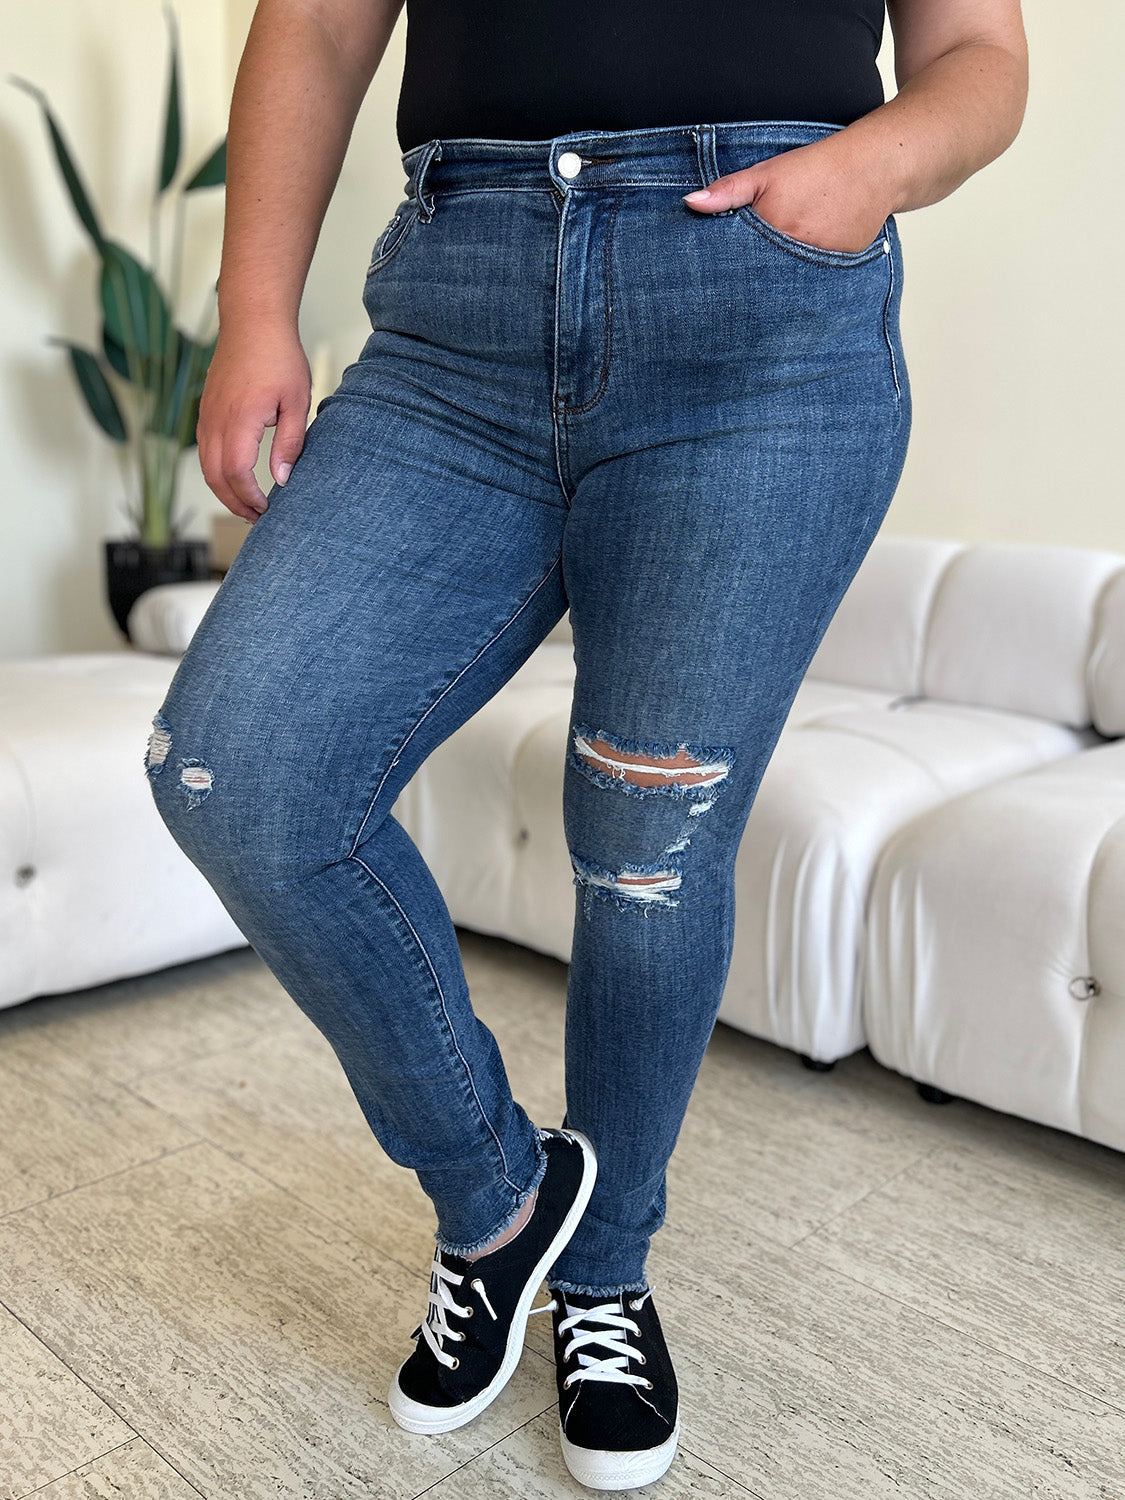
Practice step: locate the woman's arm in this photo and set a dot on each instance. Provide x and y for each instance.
(961, 67)
(304, 72)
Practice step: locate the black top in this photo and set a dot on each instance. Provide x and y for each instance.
(532, 69)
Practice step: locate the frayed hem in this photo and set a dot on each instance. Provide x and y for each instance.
(579, 1290)
(449, 1247)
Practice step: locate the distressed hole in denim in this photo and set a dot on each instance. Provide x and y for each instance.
(636, 887)
(159, 745)
(681, 770)
(196, 781)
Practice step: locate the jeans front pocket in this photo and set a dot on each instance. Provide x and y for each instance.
(394, 235)
(880, 245)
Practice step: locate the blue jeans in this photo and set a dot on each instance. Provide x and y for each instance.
(577, 392)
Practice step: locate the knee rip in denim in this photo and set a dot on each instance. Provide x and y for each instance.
(693, 773)
(196, 778)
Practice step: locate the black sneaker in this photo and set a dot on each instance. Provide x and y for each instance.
(437, 1388)
(619, 1418)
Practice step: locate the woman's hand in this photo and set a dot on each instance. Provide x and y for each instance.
(961, 69)
(806, 195)
(258, 378)
(303, 74)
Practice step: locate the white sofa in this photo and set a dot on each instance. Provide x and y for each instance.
(93, 887)
(934, 865)
(995, 940)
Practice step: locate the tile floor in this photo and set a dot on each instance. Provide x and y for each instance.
(209, 1270)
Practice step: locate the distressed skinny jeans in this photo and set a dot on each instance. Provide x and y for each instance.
(577, 393)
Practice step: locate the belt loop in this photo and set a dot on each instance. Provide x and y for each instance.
(704, 136)
(430, 152)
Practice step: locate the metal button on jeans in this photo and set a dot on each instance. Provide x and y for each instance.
(570, 164)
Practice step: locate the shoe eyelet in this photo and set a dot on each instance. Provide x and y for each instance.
(634, 1304)
(469, 1311)
(566, 1383)
(649, 1384)
(643, 1360)
(455, 1363)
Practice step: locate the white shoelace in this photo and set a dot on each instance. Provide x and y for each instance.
(442, 1303)
(611, 1327)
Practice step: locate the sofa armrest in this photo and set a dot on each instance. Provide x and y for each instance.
(164, 619)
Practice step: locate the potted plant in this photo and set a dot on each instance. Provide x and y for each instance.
(142, 387)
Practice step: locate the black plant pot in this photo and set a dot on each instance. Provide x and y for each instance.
(131, 568)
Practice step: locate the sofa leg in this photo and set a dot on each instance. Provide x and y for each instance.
(933, 1095)
(815, 1064)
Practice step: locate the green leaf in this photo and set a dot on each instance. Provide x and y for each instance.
(135, 312)
(80, 198)
(213, 172)
(115, 353)
(142, 369)
(177, 413)
(170, 151)
(95, 387)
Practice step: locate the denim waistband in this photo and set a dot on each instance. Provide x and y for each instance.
(681, 154)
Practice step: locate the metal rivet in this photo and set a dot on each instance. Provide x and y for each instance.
(1084, 987)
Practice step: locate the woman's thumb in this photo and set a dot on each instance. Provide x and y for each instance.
(288, 439)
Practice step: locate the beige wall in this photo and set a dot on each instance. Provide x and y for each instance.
(1013, 314)
(63, 485)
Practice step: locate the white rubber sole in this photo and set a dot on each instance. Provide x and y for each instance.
(602, 1469)
(415, 1416)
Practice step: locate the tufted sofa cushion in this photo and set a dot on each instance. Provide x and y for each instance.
(164, 619)
(1012, 627)
(995, 946)
(877, 637)
(1028, 629)
(1107, 659)
(92, 885)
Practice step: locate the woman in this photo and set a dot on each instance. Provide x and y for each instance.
(635, 351)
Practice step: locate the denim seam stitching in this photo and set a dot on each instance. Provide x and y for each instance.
(397, 756)
(389, 251)
(887, 300)
(445, 1012)
(607, 344)
(418, 172)
(500, 187)
(558, 427)
(701, 138)
(841, 260)
(439, 193)
(628, 182)
(575, 187)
